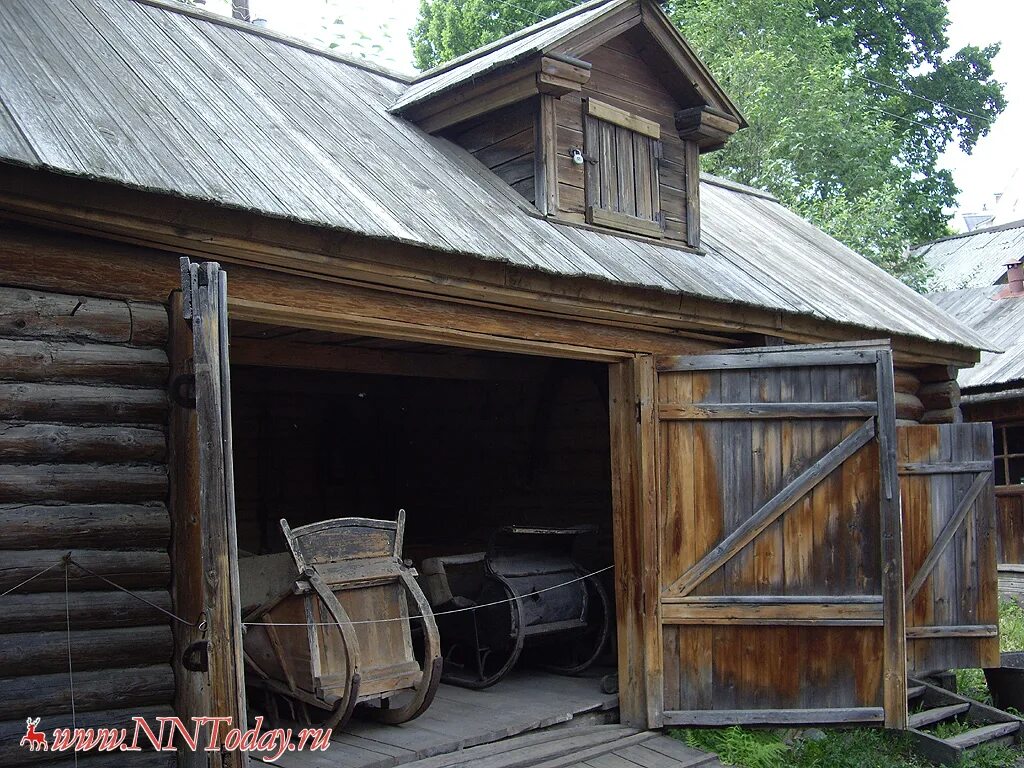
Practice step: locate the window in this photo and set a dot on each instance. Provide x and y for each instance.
(1009, 453)
(621, 176)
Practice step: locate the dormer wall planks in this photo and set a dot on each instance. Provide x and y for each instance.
(620, 77)
(505, 141)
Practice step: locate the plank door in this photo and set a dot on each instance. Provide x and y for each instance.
(949, 545)
(781, 575)
(210, 481)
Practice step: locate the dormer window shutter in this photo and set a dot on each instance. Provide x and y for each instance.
(621, 170)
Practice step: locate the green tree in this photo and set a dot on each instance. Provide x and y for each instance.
(850, 103)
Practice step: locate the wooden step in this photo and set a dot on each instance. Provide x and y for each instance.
(984, 735)
(530, 748)
(936, 715)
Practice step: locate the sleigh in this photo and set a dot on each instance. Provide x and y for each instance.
(333, 626)
(526, 592)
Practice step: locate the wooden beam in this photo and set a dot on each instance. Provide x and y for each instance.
(204, 289)
(894, 643)
(190, 227)
(823, 613)
(782, 359)
(346, 359)
(943, 467)
(602, 217)
(780, 717)
(621, 118)
(546, 157)
(956, 630)
(703, 411)
(947, 533)
(771, 511)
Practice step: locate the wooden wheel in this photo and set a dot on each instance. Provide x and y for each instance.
(575, 652)
(423, 692)
(489, 638)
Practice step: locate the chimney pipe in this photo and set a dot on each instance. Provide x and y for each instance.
(1014, 279)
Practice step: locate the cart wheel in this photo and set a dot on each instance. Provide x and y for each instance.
(574, 653)
(493, 641)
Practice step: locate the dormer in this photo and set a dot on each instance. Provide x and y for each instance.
(597, 116)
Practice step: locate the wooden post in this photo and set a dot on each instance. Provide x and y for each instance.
(191, 688)
(634, 504)
(205, 304)
(893, 613)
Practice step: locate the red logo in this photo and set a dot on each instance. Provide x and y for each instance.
(35, 740)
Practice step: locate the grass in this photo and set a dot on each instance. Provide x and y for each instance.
(971, 682)
(865, 747)
(859, 748)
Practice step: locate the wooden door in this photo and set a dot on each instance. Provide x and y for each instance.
(949, 543)
(204, 488)
(781, 575)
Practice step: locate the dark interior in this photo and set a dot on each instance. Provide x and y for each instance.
(525, 443)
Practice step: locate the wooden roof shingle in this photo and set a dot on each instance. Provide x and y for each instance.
(164, 98)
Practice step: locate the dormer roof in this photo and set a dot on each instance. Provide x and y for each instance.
(568, 37)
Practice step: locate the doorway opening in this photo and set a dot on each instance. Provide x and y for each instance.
(479, 449)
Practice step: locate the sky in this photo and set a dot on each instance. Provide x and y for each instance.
(987, 169)
(980, 175)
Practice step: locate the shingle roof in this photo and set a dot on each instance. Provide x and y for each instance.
(153, 97)
(1001, 322)
(973, 259)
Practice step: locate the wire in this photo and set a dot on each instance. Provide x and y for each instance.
(200, 624)
(924, 98)
(71, 673)
(433, 613)
(898, 117)
(30, 578)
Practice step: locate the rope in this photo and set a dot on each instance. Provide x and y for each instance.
(201, 624)
(71, 672)
(30, 578)
(436, 613)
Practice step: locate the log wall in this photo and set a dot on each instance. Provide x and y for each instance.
(927, 395)
(83, 470)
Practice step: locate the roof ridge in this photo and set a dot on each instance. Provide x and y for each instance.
(735, 186)
(177, 6)
(983, 231)
(476, 53)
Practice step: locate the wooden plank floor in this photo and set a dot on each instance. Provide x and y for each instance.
(526, 700)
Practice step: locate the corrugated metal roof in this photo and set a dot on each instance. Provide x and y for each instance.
(973, 259)
(1001, 322)
(506, 51)
(153, 97)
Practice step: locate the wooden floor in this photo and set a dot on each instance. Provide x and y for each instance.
(557, 720)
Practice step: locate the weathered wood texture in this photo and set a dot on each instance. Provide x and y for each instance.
(622, 79)
(949, 545)
(1010, 524)
(505, 141)
(82, 470)
(205, 298)
(775, 524)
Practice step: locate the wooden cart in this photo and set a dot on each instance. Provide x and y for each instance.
(525, 593)
(335, 630)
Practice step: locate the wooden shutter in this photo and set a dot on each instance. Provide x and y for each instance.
(781, 574)
(949, 543)
(204, 307)
(621, 175)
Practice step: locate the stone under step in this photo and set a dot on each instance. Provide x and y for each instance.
(936, 715)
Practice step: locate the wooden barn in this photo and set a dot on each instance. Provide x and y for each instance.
(498, 294)
(983, 273)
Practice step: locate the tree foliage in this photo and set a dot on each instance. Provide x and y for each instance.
(850, 103)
